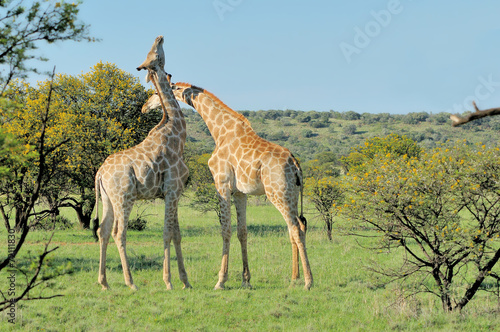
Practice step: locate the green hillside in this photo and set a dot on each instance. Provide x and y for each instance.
(309, 133)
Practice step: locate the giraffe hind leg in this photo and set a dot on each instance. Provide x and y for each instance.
(103, 234)
(171, 232)
(225, 206)
(120, 237)
(297, 232)
(240, 201)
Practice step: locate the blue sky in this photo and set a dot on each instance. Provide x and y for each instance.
(394, 56)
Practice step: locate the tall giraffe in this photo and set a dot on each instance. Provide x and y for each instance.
(151, 169)
(245, 164)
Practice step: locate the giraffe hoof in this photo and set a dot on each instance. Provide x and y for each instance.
(187, 286)
(219, 286)
(104, 285)
(169, 286)
(133, 287)
(246, 284)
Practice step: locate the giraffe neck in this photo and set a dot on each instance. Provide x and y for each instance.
(218, 117)
(172, 124)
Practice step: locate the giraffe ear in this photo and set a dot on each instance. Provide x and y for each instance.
(147, 77)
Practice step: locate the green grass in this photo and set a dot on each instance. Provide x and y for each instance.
(345, 296)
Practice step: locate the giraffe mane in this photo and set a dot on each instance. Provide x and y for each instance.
(217, 100)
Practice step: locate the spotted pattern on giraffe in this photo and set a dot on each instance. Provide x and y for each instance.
(245, 164)
(152, 169)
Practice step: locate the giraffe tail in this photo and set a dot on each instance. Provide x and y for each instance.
(302, 219)
(300, 183)
(95, 225)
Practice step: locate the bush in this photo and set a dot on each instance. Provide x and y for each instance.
(49, 224)
(319, 124)
(349, 130)
(307, 133)
(442, 209)
(393, 144)
(137, 224)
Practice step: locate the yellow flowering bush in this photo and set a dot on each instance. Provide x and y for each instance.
(442, 207)
(91, 116)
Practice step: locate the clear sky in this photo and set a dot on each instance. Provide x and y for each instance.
(394, 56)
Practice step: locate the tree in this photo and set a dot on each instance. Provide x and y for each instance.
(324, 164)
(202, 183)
(20, 31)
(98, 113)
(23, 27)
(351, 115)
(25, 202)
(350, 130)
(326, 194)
(322, 186)
(441, 208)
(13, 155)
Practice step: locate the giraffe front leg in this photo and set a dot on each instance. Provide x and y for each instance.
(240, 201)
(167, 237)
(180, 260)
(225, 206)
(173, 233)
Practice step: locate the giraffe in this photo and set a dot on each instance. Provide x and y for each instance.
(245, 164)
(152, 169)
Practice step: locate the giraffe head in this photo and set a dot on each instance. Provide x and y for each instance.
(154, 101)
(155, 57)
(185, 92)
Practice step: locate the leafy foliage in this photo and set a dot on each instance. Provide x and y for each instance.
(23, 27)
(91, 116)
(201, 182)
(393, 145)
(327, 195)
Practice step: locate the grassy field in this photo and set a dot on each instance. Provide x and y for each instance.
(345, 296)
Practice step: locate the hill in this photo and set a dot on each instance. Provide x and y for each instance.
(308, 133)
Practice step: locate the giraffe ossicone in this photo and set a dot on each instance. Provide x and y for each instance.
(152, 169)
(245, 164)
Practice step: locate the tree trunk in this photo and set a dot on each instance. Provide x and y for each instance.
(5, 218)
(329, 230)
(54, 208)
(444, 288)
(328, 223)
(84, 217)
(20, 219)
(472, 290)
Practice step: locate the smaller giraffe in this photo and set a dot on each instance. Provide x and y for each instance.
(245, 164)
(151, 169)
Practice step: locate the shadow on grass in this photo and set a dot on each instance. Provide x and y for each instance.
(136, 261)
(266, 230)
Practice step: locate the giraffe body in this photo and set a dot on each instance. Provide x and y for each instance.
(152, 169)
(245, 164)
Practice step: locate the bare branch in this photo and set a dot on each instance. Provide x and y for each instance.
(458, 121)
